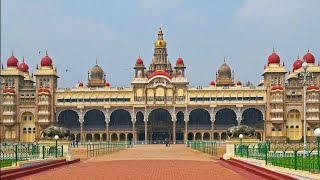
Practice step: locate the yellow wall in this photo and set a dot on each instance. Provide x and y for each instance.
(294, 125)
(27, 127)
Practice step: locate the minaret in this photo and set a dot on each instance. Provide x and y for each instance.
(160, 55)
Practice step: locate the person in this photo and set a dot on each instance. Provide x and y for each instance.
(77, 142)
(166, 141)
(169, 142)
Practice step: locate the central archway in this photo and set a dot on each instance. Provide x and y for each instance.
(225, 118)
(159, 125)
(94, 120)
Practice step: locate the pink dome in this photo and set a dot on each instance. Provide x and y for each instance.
(309, 58)
(107, 84)
(139, 61)
(23, 67)
(179, 61)
(160, 73)
(239, 83)
(297, 64)
(212, 83)
(12, 61)
(273, 58)
(46, 61)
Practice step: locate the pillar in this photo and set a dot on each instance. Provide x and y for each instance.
(145, 131)
(81, 132)
(126, 136)
(107, 133)
(212, 131)
(202, 136)
(194, 136)
(219, 136)
(174, 131)
(185, 131)
(133, 130)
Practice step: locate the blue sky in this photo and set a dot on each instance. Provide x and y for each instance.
(76, 32)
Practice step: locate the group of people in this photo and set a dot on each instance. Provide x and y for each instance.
(74, 143)
(167, 141)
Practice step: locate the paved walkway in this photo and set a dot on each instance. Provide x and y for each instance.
(146, 162)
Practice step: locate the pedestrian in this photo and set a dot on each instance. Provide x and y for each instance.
(77, 142)
(166, 141)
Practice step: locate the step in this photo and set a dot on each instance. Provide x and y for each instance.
(262, 172)
(37, 169)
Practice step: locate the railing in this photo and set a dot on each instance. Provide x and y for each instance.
(209, 147)
(96, 149)
(287, 155)
(10, 154)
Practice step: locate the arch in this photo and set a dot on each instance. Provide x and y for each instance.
(78, 137)
(69, 118)
(206, 136)
(225, 118)
(160, 124)
(114, 137)
(71, 137)
(122, 137)
(294, 122)
(96, 137)
(120, 118)
(190, 136)
(197, 136)
(253, 117)
(259, 136)
(94, 119)
(104, 137)
(180, 126)
(216, 136)
(129, 137)
(223, 136)
(88, 137)
(199, 119)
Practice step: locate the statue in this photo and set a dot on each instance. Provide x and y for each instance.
(246, 131)
(51, 131)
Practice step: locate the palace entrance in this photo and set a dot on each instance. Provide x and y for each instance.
(159, 126)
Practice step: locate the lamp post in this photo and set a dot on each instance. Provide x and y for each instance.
(241, 137)
(56, 137)
(317, 134)
(304, 75)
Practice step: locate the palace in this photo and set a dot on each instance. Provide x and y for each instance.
(159, 103)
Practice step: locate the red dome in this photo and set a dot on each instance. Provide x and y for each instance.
(274, 88)
(312, 87)
(107, 84)
(179, 61)
(46, 60)
(212, 83)
(160, 73)
(273, 58)
(139, 61)
(80, 84)
(44, 90)
(23, 67)
(239, 83)
(8, 90)
(12, 61)
(309, 58)
(297, 64)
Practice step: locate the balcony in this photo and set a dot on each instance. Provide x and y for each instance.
(313, 110)
(313, 101)
(9, 122)
(43, 113)
(44, 121)
(276, 110)
(9, 103)
(43, 103)
(8, 113)
(276, 101)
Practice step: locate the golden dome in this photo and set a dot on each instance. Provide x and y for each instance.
(224, 71)
(97, 72)
(160, 43)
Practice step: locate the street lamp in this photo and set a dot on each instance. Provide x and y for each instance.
(304, 75)
(317, 134)
(241, 137)
(56, 137)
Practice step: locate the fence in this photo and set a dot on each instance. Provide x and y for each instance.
(209, 147)
(287, 155)
(14, 153)
(95, 149)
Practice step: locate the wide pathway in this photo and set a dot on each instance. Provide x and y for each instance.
(146, 162)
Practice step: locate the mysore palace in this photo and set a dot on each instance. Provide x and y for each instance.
(159, 103)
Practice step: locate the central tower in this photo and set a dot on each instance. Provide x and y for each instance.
(160, 61)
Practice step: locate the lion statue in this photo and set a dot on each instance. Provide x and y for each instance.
(51, 131)
(246, 131)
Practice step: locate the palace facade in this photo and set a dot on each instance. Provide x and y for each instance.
(159, 103)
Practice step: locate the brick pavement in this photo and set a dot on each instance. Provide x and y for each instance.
(145, 162)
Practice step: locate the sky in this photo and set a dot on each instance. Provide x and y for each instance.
(77, 32)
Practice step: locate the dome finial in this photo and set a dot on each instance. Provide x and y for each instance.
(12, 54)
(308, 50)
(224, 59)
(273, 50)
(46, 52)
(22, 59)
(96, 60)
(179, 55)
